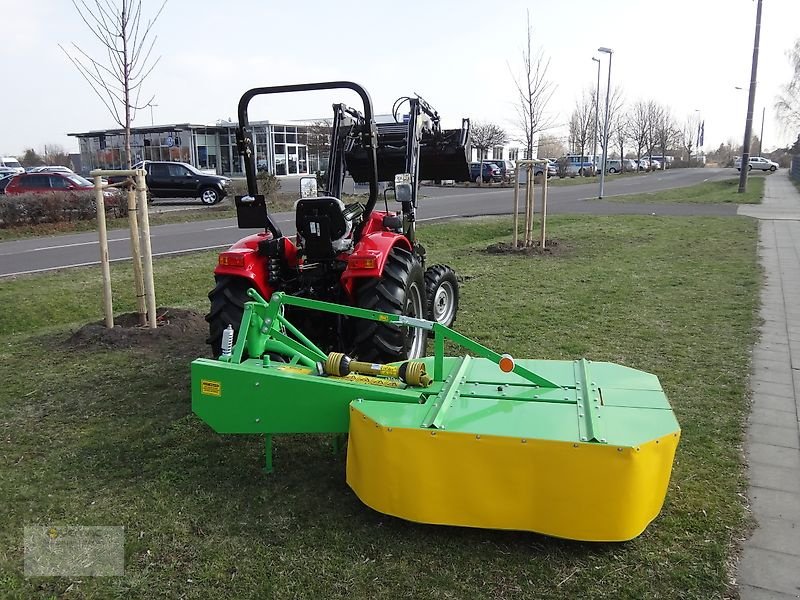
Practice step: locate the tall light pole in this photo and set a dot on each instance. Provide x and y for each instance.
(751, 100)
(610, 53)
(151, 105)
(596, 113)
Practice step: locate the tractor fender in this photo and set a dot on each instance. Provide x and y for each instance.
(369, 257)
(243, 260)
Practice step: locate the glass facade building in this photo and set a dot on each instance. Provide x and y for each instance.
(281, 149)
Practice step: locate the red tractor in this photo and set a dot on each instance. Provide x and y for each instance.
(349, 253)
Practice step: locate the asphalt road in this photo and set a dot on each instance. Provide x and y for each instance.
(37, 255)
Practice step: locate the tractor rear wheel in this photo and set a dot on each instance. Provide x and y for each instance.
(441, 290)
(400, 290)
(227, 307)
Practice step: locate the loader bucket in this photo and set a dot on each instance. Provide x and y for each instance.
(572, 449)
(445, 158)
(442, 156)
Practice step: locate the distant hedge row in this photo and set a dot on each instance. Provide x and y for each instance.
(54, 207)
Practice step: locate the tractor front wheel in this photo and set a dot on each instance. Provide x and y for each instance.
(400, 290)
(441, 290)
(227, 307)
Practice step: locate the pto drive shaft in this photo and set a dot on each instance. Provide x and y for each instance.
(411, 372)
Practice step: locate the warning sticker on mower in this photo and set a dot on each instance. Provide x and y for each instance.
(210, 388)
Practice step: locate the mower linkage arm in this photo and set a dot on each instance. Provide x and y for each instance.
(262, 323)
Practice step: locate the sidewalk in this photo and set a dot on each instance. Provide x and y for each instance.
(770, 563)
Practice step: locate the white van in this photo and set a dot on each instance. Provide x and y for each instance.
(12, 163)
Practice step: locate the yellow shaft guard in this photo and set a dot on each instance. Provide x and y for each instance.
(589, 492)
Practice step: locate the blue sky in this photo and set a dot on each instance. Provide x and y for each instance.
(686, 54)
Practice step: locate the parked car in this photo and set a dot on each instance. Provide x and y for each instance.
(538, 170)
(655, 164)
(551, 170)
(507, 169)
(759, 163)
(50, 169)
(615, 165)
(491, 172)
(11, 163)
(179, 180)
(4, 181)
(664, 161)
(38, 183)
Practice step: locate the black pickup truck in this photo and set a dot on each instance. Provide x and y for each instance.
(178, 180)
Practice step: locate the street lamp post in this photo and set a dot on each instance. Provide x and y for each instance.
(596, 112)
(751, 100)
(610, 53)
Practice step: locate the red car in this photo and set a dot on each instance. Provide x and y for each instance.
(37, 183)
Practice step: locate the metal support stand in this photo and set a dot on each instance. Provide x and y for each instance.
(267, 453)
(339, 442)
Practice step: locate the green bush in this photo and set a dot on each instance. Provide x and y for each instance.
(268, 184)
(55, 207)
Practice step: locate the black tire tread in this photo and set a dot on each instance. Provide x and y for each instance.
(382, 342)
(433, 276)
(227, 307)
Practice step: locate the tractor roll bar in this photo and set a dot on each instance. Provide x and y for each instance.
(244, 139)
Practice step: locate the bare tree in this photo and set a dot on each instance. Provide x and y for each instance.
(485, 136)
(654, 116)
(620, 135)
(125, 57)
(616, 104)
(639, 127)
(116, 74)
(787, 105)
(725, 155)
(318, 140)
(666, 132)
(54, 154)
(689, 135)
(31, 158)
(550, 146)
(581, 123)
(534, 91)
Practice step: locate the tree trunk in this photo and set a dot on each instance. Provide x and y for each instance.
(133, 223)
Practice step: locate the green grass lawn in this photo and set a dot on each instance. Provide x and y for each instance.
(726, 191)
(99, 436)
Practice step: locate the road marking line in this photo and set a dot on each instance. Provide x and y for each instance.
(59, 246)
(97, 262)
(223, 227)
(435, 218)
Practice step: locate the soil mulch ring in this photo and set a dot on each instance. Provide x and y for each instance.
(178, 329)
(551, 248)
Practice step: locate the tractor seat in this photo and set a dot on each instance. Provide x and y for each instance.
(323, 227)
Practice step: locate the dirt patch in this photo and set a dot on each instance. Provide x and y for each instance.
(179, 330)
(551, 248)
